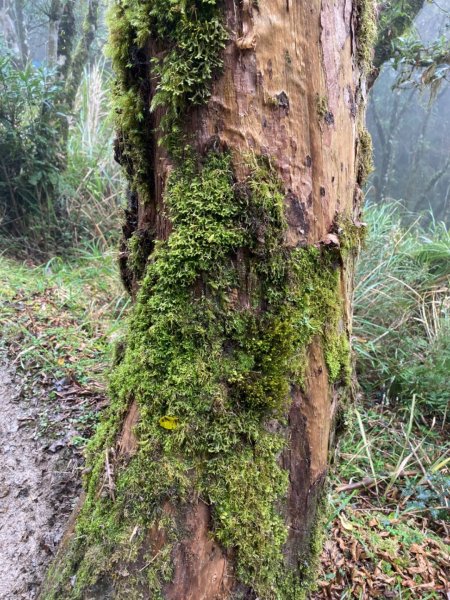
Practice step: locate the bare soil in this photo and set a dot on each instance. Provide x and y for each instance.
(38, 489)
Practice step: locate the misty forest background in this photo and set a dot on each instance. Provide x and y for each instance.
(63, 307)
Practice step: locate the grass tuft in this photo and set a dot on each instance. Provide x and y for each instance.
(402, 316)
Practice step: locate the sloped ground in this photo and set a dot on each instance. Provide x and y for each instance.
(37, 491)
(56, 325)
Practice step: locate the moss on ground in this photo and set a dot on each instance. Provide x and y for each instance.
(219, 333)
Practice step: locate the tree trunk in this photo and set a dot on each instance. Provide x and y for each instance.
(241, 133)
(81, 53)
(7, 27)
(21, 33)
(54, 16)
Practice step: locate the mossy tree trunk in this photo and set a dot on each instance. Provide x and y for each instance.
(240, 129)
(73, 50)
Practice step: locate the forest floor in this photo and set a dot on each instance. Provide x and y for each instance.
(387, 533)
(38, 486)
(57, 325)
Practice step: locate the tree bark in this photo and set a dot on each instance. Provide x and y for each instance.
(54, 16)
(21, 32)
(206, 479)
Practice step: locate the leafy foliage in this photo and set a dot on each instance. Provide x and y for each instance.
(91, 187)
(421, 65)
(53, 193)
(29, 149)
(395, 19)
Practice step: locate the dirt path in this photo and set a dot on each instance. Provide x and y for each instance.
(36, 495)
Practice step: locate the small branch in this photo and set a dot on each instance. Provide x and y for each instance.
(369, 482)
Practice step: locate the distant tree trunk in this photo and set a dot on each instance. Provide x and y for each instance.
(81, 54)
(7, 27)
(21, 32)
(66, 39)
(396, 18)
(54, 16)
(68, 50)
(206, 479)
(72, 57)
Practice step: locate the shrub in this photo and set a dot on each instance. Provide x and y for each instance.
(30, 154)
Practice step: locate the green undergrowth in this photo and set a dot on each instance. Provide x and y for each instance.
(401, 304)
(387, 536)
(217, 339)
(57, 322)
(379, 445)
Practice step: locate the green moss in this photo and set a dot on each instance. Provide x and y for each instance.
(130, 106)
(366, 33)
(365, 156)
(337, 357)
(218, 336)
(352, 236)
(139, 248)
(186, 71)
(311, 561)
(321, 106)
(190, 39)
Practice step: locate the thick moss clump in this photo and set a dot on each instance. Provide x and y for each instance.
(366, 33)
(218, 335)
(365, 156)
(188, 37)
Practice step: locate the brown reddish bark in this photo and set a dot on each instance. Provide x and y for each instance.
(285, 59)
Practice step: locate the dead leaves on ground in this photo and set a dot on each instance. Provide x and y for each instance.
(369, 555)
(58, 348)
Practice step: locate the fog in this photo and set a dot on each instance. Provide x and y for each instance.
(411, 132)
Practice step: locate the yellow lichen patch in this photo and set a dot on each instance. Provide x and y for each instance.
(169, 422)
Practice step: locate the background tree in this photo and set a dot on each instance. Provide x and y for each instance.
(35, 107)
(395, 17)
(241, 134)
(408, 119)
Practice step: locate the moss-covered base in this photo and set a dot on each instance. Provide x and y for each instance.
(218, 336)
